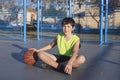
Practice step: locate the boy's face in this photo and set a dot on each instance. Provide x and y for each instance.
(67, 29)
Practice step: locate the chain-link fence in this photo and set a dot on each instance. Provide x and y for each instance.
(114, 21)
(86, 13)
(11, 19)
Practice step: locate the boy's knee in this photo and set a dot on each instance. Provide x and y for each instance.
(82, 59)
(40, 55)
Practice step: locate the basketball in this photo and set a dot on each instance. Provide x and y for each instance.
(30, 57)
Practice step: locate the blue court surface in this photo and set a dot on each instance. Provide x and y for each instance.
(102, 62)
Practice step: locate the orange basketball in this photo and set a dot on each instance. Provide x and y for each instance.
(30, 57)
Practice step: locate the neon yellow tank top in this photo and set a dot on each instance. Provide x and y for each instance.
(66, 47)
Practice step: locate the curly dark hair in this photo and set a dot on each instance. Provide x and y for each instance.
(68, 20)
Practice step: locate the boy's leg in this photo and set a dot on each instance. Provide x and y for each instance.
(51, 60)
(80, 60)
(48, 59)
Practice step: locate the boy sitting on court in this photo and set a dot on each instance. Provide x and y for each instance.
(68, 47)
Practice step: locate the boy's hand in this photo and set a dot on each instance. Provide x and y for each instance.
(33, 49)
(68, 68)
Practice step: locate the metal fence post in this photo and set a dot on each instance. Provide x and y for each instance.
(101, 21)
(70, 7)
(38, 24)
(106, 22)
(24, 5)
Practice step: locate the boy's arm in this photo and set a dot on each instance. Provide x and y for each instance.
(75, 52)
(47, 47)
(68, 67)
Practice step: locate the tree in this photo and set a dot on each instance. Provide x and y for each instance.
(113, 5)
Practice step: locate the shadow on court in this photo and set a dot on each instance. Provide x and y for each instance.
(102, 63)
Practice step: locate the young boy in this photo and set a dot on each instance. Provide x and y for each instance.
(68, 47)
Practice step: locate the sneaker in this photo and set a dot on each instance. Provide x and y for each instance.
(44, 65)
(61, 68)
